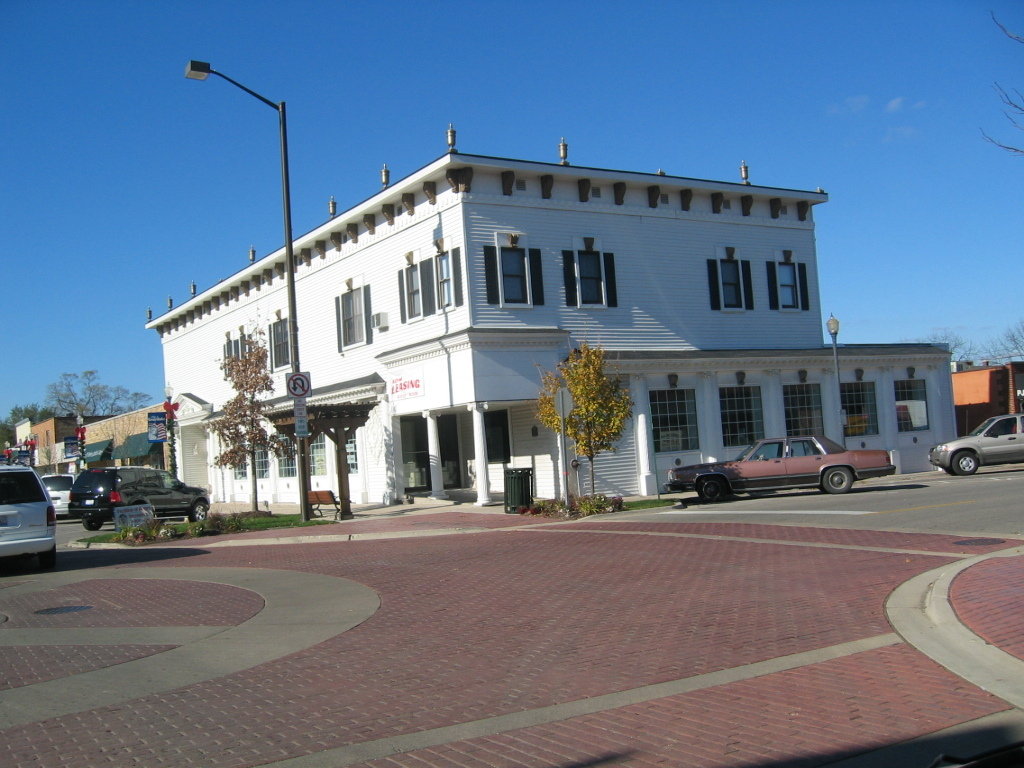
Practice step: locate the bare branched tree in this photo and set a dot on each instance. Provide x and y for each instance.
(83, 395)
(1013, 100)
(960, 347)
(1009, 345)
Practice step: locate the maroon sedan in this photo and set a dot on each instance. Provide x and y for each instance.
(778, 463)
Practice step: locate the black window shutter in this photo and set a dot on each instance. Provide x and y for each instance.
(491, 273)
(227, 349)
(609, 280)
(773, 286)
(427, 289)
(805, 302)
(457, 276)
(536, 277)
(338, 323)
(716, 302)
(748, 285)
(569, 275)
(273, 346)
(367, 313)
(401, 294)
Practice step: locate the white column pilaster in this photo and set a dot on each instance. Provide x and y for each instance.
(647, 481)
(434, 457)
(483, 482)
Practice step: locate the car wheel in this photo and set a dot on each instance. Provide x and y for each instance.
(836, 480)
(712, 489)
(198, 512)
(92, 525)
(48, 559)
(965, 463)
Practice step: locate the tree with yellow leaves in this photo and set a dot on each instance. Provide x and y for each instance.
(601, 407)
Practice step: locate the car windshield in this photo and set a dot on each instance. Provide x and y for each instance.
(745, 452)
(982, 427)
(59, 483)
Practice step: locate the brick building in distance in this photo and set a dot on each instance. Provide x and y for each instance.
(980, 392)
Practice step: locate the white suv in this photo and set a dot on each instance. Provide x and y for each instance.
(28, 522)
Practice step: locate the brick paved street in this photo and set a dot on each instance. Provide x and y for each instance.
(518, 644)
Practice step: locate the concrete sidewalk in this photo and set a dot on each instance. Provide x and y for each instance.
(530, 642)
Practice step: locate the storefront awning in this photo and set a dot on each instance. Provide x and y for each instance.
(98, 451)
(135, 446)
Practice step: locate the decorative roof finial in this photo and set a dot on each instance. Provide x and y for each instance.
(451, 138)
(563, 152)
(332, 207)
(252, 254)
(744, 172)
(385, 176)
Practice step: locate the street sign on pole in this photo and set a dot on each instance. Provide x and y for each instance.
(301, 418)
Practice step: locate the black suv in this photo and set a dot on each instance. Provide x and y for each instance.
(97, 492)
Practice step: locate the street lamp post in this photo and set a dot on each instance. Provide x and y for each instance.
(200, 70)
(169, 409)
(833, 331)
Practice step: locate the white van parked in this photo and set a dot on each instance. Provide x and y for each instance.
(28, 521)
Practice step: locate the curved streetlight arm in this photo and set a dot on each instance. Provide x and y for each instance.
(200, 70)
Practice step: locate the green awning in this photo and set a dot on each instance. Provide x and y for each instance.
(98, 451)
(135, 446)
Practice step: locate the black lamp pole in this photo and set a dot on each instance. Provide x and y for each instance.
(200, 70)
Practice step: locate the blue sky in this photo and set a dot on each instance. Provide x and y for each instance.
(123, 181)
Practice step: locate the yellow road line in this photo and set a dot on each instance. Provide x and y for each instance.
(926, 506)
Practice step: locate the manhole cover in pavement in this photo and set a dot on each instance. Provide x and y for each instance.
(63, 609)
(979, 542)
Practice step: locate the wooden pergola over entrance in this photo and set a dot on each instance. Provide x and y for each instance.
(337, 422)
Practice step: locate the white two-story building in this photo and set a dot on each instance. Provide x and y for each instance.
(427, 313)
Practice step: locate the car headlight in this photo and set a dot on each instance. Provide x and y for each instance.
(942, 448)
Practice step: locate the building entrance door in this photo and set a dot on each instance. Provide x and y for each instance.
(415, 456)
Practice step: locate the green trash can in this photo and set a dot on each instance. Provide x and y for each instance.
(518, 489)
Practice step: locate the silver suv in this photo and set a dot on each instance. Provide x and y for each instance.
(28, 522)
(998, 440)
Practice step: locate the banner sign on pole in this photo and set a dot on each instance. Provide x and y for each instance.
(156, 424)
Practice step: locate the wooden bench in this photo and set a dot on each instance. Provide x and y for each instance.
(318, 499)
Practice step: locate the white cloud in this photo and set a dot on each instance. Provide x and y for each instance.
(895, 105)
(849, 105)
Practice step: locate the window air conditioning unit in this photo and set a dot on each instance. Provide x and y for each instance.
(379, 320)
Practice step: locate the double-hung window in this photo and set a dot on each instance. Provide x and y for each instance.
(318, 456)
(514, 276)
(353, 325)
(445, 292)
(413, 306)
(589, 278)
(286, 463)
(416, 290)
(730, 285)
(234, 348)
(353, 316)
(262, 464)
(448, 272)
(787, 283)
(279, 343)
